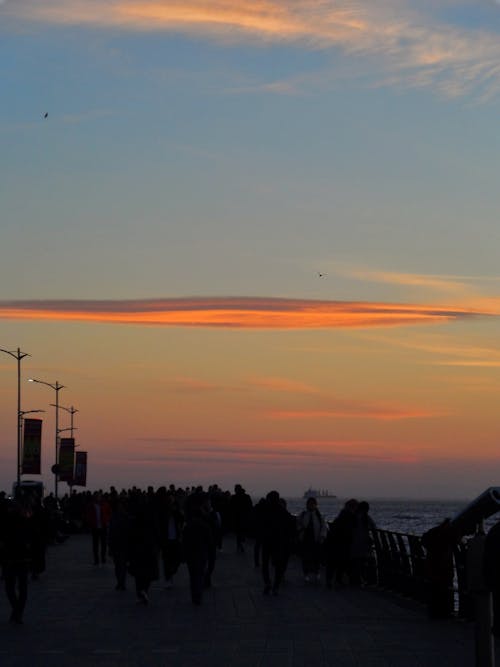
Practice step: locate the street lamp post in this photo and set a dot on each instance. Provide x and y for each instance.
(19, 356)
(57, 388)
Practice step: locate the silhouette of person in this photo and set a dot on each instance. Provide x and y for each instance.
(241, 509)
(171, 522)
(144, 546)
(15, 552)
(259, 511)
(276, 532)
(362, 544)
(119, 533)
(198, 543)
(97, 515)
(312, 531)
(338, 545)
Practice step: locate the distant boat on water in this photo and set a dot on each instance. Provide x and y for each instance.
(317, 493)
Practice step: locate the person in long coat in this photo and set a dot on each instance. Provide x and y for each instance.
(362, 544)
(198, 543)
(97, 516)
(338, 547)
(119, 538)
(312, 530)
(170, 524)
(144, 547)
(276, 530)
(16, 538)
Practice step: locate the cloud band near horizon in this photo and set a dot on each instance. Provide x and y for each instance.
(237, 312)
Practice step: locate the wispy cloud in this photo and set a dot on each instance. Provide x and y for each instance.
(410, 44)
(462, 287)
(194, 385)
(447, 284)
(359, 411)
(260, 452)
(75, 118)
(444, 351)
(283, 385)
(241, 312)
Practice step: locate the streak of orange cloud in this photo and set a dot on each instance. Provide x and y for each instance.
(236, 313)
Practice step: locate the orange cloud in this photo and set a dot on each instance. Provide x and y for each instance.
(237, 312)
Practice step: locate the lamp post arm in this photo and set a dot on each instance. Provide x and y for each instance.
(57, 387)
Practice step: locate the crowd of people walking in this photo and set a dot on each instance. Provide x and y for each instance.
(147, 535)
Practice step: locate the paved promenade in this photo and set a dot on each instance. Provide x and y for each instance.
(74, 617)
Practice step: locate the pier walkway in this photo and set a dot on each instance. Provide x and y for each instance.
(74, 617)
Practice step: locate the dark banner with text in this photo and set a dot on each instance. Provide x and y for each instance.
(32, 446)
(80, 476)
(66, 459)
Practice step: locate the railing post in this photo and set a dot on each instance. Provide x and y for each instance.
(485, 648)
(483, 608)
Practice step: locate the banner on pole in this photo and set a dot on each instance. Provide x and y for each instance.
(80, 476)
(66, 459)
(32, 447)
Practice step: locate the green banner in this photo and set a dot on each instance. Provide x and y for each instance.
(66, 459)
(80, 478)
(32, 447)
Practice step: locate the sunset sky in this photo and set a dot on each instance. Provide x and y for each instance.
(256, 240)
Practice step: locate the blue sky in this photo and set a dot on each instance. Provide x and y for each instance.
(239, 149)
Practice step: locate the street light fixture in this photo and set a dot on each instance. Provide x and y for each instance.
(57, 388)
(19, 356)
(72, 410)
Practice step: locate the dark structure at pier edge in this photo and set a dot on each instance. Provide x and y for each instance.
(443, 568)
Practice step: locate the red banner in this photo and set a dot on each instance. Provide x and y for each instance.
(80, 476)
(32, 446)
(66, 459)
